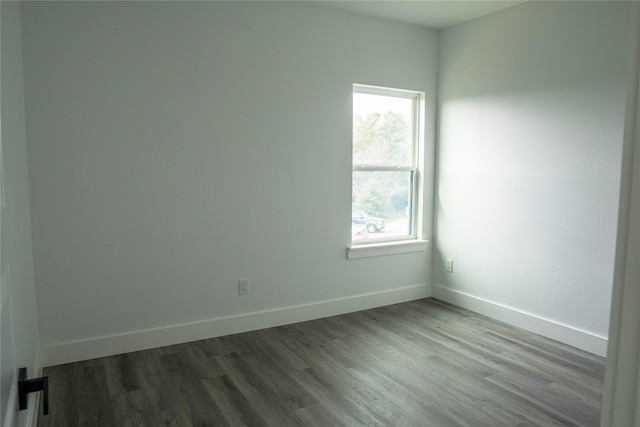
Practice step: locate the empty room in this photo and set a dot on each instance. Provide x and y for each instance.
(176, 183)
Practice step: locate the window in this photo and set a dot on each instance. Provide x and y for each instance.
(386, 133)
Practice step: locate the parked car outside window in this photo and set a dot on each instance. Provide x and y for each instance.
(373, 224)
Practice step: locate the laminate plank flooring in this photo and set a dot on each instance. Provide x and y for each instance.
(421, 363)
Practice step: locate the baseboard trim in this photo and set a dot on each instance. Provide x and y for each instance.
(59, 353)
(551, 329)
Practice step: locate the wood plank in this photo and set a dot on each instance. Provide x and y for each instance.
(418, 363)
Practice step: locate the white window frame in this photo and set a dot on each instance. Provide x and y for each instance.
(408, 243)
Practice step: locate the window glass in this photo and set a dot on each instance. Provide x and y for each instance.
(382, 203)
(384, 164)
(382, 129)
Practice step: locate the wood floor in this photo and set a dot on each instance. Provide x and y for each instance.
(422, 363)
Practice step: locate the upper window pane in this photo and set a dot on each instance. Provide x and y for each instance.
(382, 130)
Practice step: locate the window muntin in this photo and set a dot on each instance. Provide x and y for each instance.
(385, 166)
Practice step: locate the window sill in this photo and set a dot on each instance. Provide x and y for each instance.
(386, 248)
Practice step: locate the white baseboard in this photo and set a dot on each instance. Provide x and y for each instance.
(59, 353)
(566, 334)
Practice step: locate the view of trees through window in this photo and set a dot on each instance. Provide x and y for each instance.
(383, 166)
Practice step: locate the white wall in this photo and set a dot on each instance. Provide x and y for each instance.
(175, 148)
(19, 344)
(531, 115)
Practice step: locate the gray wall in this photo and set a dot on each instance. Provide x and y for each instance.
(175, 148)
(20, 343)
(531, 108)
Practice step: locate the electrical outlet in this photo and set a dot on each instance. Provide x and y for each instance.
(243, 287)
(449, 265)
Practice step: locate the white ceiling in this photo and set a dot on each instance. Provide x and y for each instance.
(435, 14)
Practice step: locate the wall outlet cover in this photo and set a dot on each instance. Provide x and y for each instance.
(243, 287)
